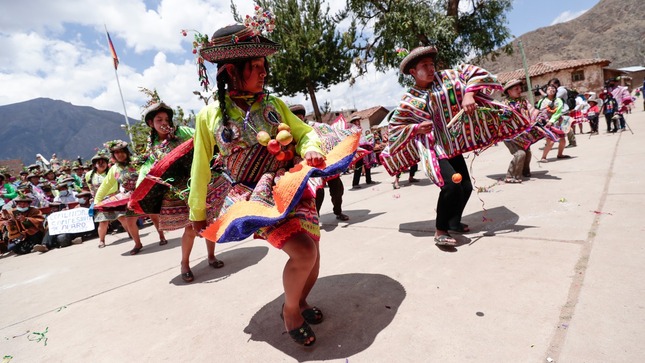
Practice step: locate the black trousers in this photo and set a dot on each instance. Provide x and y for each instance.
(358, 168)
(453, 196)
(413, 169)
(336, 190)
(27, 244)
(608, 119)
(593, 121)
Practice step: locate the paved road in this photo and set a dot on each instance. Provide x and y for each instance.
(552, 270)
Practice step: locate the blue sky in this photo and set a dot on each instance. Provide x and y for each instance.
(60, 52)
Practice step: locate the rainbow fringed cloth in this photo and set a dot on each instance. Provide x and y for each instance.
(244, 218)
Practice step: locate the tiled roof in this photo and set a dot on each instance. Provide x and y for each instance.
(366, 113)
(541, 68)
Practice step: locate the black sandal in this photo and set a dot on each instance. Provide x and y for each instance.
(303, 334)
(313, 315)
(342, 217)
(445, 240)
(188, 276)
(216, 264)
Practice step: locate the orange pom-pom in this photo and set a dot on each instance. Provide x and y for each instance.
(456, 178)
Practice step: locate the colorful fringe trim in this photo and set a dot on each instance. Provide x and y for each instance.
(244, 218)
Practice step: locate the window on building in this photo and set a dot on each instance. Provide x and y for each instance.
(578, 75)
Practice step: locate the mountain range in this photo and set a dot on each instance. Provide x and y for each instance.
(47, 126)
(612, 29)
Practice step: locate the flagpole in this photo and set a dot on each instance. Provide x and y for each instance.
(125, 112)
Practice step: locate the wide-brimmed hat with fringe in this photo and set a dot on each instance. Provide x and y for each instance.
(237, 42)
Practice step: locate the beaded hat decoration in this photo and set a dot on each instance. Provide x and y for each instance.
(235, 42)
(100, 155)
(22, 197)
(115, 145)
(414, 55)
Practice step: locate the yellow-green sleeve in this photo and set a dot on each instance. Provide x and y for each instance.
(304, 134)
(108, 186)
(558, 110)
(145, 168)
(200, 172)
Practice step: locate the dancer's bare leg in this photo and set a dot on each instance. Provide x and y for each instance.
(303, 255)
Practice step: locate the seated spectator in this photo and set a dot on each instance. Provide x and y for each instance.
(24, 225)
(7, 190)
(51, 242)
(49, 194)
(78, 175)
(65, 194)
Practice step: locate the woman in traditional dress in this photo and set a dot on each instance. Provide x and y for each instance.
(94, 180)
(119, 182)
(552, 106)
(262, 197)
(164, 137)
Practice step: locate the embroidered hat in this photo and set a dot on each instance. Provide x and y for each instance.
(102, 154)
(298, 109)
(115, 145)
(512, 83)
(414, 55)
(22, 197)
(84, 193)
(151, 111)
(237, 42)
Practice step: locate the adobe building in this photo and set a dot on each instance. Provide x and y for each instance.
(580, 74)
(370, 117)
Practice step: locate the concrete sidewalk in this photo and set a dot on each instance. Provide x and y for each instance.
(551, 270)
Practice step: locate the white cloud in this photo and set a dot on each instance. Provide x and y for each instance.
(567, 15)
(60, 52)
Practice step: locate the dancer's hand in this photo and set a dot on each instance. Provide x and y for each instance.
(199, 226)
(314, 158)
(424, 127)
(468, 103)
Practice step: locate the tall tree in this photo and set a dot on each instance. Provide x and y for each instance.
(390, 25)
(314, 54)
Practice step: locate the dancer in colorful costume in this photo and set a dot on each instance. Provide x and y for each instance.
(268, 193)
(551, 108)
(173, 209)
(421, 130)
(520, 145)
(116, 187)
